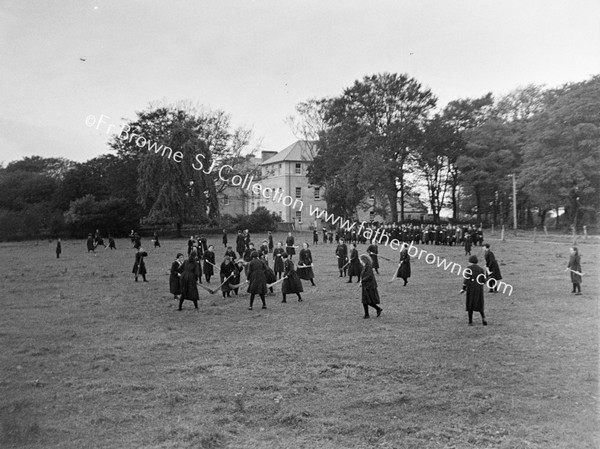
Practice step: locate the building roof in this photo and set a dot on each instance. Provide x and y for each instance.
(299, 151)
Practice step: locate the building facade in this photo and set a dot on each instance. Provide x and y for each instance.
(284, 174)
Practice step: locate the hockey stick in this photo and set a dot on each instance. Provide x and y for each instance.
(276, 282)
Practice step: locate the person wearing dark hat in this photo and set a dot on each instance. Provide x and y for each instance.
(189, 279)
(270, 240)
(269, 273)
(139, 267)
(341, 252)
(305, 268)
(58, 249)
(231, 253)
(278, 259)
(240, 243)
(473, 286)
(227, 271)
(354, 268)
(373, 251)
(492, 268)
(370, 295)
(257, 279)
(137, 241)
(403, 271)
(191, 243)
(224, 238)
(290, 249)
(468, 243)
(209, 262)
(574, 266)
(90, 244)
(291, 282)
(248, 256)
(174, 281)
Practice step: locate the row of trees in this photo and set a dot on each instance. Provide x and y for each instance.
(383, 139)
(131, 186)
(380, 140)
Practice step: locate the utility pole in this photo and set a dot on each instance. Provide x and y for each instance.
(514, 186)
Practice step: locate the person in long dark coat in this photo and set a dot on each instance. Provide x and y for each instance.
(305, 269)
(111, 242)
(139, 267)
(290, 249)
(575, 266)
(175, 275)
(341, 252)
(473, 285)
(98, 240)
(237, 276)
(269, 273)
(209, 263)
(90, 244)
(264, 247)
(370, 294)
(468, 244)
(137, 241)
(354, 267)
(315, 236)
(492, 268)
(292, 282)
(404, 265)
(156, 241)
(248, 256)
(58, 249)
(231, 253)
(247, 238)
(278, 259)
(270, 239)
(203, 244)
(224, 239)
(240, 244)
(228, 271)
(257, 280)
(373, 251)
(189, 279)
(198, 259)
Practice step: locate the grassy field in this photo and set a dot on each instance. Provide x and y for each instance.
(91, 359)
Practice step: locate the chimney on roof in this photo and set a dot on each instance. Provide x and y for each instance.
(265, 155)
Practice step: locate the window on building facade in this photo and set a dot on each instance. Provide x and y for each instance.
(298, 169)
(317, 193)
(299, 216)
(371, 215)
(298, 192)
(225, 200)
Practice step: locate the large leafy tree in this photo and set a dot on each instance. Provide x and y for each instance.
(435, 161)
(379, 119)
(491, 154)
(462, 115)
(180, 189)
(562, 151)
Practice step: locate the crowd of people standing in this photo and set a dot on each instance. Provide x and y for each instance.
(251, 265)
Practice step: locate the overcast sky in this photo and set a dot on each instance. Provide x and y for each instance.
(257, 59)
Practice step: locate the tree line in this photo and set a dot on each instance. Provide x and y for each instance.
(381, 139)
(129, 187)
(384, 138)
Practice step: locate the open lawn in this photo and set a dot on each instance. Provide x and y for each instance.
(91, 359)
